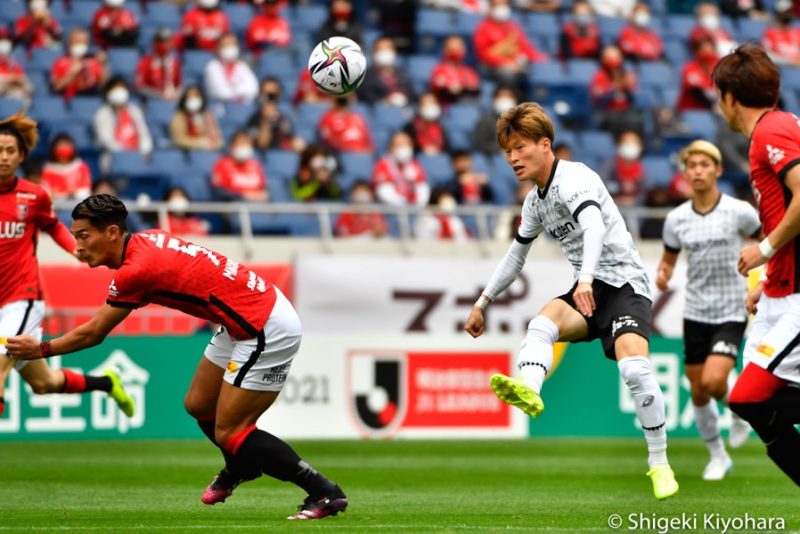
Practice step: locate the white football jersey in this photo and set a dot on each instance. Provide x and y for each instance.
(571, 188)
(712, 241)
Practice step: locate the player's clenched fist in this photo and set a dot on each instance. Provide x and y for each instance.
(24, 348)
(474, 325)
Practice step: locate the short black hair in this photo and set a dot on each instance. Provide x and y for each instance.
(102, 211)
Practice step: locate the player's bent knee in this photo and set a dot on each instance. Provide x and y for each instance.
(715, 386)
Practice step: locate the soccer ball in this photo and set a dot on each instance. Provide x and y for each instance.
(337, 65)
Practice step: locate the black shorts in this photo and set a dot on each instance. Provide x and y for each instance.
(702, 339)
(620, 310)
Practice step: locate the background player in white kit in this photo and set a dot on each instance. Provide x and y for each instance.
(611, 298)
(711, 227)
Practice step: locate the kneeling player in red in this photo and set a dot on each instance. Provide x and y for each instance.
(245, 364)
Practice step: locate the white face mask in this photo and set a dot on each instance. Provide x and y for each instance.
(361, 198)
(398, 100)
(39, 5)
(501, 105)
(641, 19)
(78, 50)
(430, 112)
(178, 205)
(194, 103)
(118, 96)
(208, 4)
(385, 58)
(629, 151)
(709, 22)
(5, 47)
(242, 152)
(448, 204)
(403, 154)
(114, 3)
(500, 13)
(229, 53)
(583, 19)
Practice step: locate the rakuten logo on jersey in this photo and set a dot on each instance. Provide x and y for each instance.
(11, 230)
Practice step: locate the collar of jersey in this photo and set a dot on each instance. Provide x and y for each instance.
(700, 213)
(543, 192)
(11, 186)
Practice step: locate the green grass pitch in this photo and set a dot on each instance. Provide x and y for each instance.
(535, 485)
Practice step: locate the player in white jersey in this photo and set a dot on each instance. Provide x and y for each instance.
(610, 300)
(711, 227)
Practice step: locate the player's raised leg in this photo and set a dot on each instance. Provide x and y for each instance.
(634, 367)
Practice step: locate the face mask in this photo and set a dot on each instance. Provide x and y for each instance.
(5, 47)
(629, 151)
(162, 49)
(208, 4)
(317, 163)
(403, 154)
(501, 105)
(709, 22)
(39, 5)
(178, 205)
(500, 13)
(341, 12)
(361, 198)
(118, 96)
(271, 97)
(385, 58)
(707, 56)
(430, 112)
(641, 19)
(447, 205)
(242, 152)
(229, 53)
(612, 63)
(64, 153)
(455, 55)
(583, 19)
(78, 50)
(398, 100)
(193, 104)
(114, 3)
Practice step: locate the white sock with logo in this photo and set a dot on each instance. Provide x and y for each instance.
(707, 419)
(536, 352)
(649, 402)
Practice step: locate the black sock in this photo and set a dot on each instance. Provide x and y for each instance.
(98, 383)
(785, 452)
(278, 460)
(208, 429)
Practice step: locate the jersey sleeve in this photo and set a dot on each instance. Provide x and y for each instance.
(530, 226)
(779, 145)
(128, 288)
(671, 241)
(747, 221)
(578, 193)
(45, 216)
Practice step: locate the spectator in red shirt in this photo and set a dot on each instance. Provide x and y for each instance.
(540, 6)
(13, 81)
(782, 40)
(425, 128)
(159, 74)
(613, 90)
(385, 82)
(708, 27)
(469, 187)
(753, 9)
(453, 80)
(203, 25)
(37, 28)
(502, 48)
(442, 223)
(76, 73)
(398, 178)
(180, 221)
(307, 91)
(65, 174)
(637, 41)
(697, 89)
(113, 25)
(624, 174)
(344, 130)
(361, 222)
(341, 21)
(239, 175)
(268, 28)
(580, 36)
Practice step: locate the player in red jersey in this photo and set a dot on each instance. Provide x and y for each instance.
(246, 361)
(766, 393)
(25, 210)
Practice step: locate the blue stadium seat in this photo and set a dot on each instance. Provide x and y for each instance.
(203, 161)
(152, 185)
(598, 144)
(308, 18)
(467, 23)
(480, 163)
(750, 29)
(435, 22)
(160, 111)
(82, 12)
(283, 163)
(237, 114)
(129, 163)
(567, 137)
(419, 68)
(161, 14)
(548, 73)
(310, 114)
(390, 117)
(196, 186)
(83, 108)
(123, 62)
(264, 224)
(278, 188)
(42, 59)
(543, 24)
(503, 192)
(459, 123)
(50, 108)
(437, 167)
(655, 74)
(278, 64)
(11, 11)
(355, 166)
(679, 26)
(610, 28)
(676, 51)
(10, 106)
(658, 171)
(701, 123)
(581, 71)
(194, 63)
(80, 134)
(790, 77)
(170, 162)
(240, 16)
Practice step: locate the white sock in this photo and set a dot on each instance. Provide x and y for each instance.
(707, 419)
(536, 352)
(649, 402)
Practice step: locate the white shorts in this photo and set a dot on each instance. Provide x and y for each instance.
(261, 363)
(21, 317)
(773, 342)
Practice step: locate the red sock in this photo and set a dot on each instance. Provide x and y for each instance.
(74, 382)
(233, 444)
(2, 406)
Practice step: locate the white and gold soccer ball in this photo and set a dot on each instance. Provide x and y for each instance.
(337, 65)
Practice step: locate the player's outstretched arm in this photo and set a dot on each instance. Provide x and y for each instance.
(87, 335)
(63, 237)
(665, 269)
